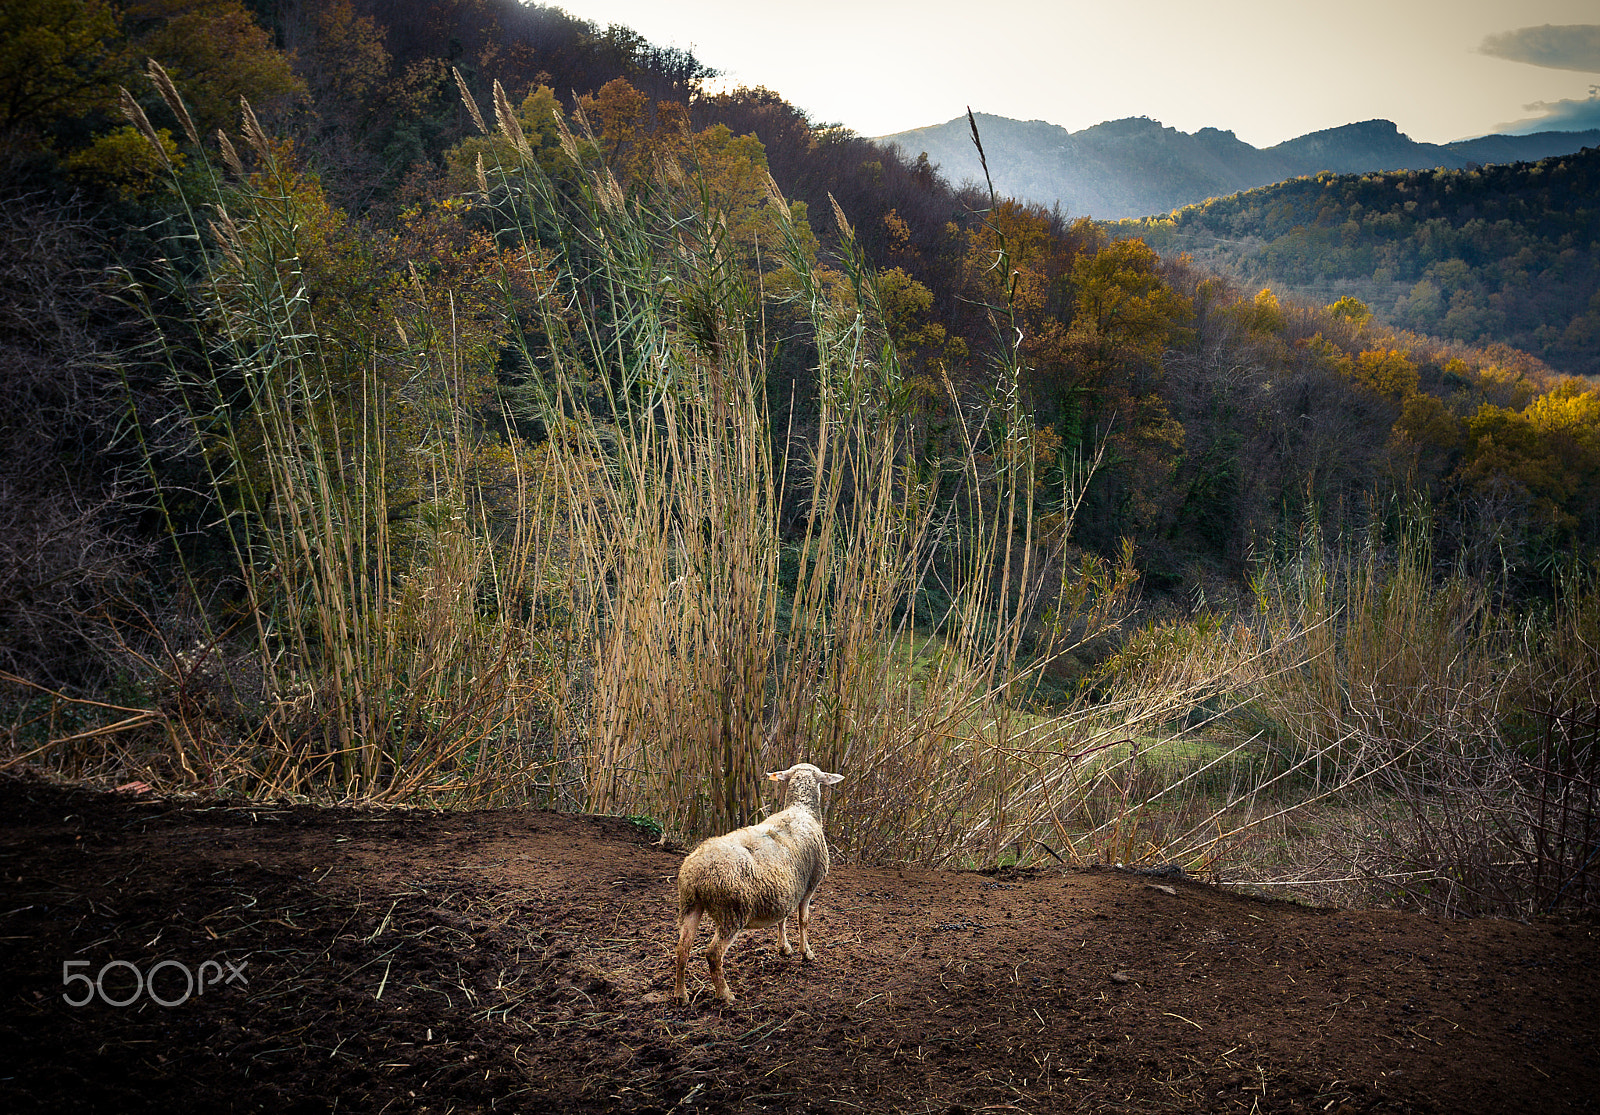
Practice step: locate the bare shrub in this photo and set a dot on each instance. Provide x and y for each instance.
(65, 548)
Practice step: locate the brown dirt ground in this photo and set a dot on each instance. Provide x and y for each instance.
(517, 960)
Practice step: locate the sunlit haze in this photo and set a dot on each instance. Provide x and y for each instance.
(1267, 71)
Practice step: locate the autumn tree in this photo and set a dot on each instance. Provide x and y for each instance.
(1389, 372)
(1548, 452)
(63, 61)
(1351, 309)
(215, 53)
(616, 115)
(924, 344)
(371, 114)
(1124, 318)
(59, 59)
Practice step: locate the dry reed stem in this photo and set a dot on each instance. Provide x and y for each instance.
(134, 113)
(230, 157)
(505, 117)
(169, 93)
(467, 99)
(253, 132)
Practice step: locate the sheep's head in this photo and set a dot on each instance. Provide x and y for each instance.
(803, 783)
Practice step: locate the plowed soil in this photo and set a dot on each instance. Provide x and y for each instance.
(385, 960)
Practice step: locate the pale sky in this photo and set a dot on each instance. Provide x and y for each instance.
(1269, 70)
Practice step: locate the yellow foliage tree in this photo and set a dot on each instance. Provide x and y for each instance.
(125, 159)
(58, 59)
(1550, 449)
(1351, 309)
(1388, 371)
(1267, 313)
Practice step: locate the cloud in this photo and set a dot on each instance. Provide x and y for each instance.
(1575, 47)
(1557, 116)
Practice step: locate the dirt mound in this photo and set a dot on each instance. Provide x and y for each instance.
(306, 960)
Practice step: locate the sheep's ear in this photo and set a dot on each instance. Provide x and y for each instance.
(829, 779)
(778, 775)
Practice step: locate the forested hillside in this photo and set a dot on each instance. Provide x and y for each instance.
(1498, 254)
(450, 400)
(1118, 349)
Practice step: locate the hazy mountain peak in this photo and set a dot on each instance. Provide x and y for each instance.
(1137, 166)
(1128, 126)
(1372, 128)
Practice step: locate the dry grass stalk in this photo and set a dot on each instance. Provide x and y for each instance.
(134, 114)
(467, 99)
(169, 94)
(230, 156)
(669, 495)
(505, 116)
(392, 665)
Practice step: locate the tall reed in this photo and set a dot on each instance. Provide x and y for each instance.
(1457, 736)
(381, 591)
(718, 642)
(675, 595)
(1373, 644)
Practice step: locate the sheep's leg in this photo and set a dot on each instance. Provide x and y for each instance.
(805, 928)
(688, 926)
(784, 947)
(720, 944)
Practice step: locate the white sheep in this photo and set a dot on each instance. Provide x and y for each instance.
(756, 876)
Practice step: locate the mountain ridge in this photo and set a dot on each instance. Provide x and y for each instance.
(1136, 166)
